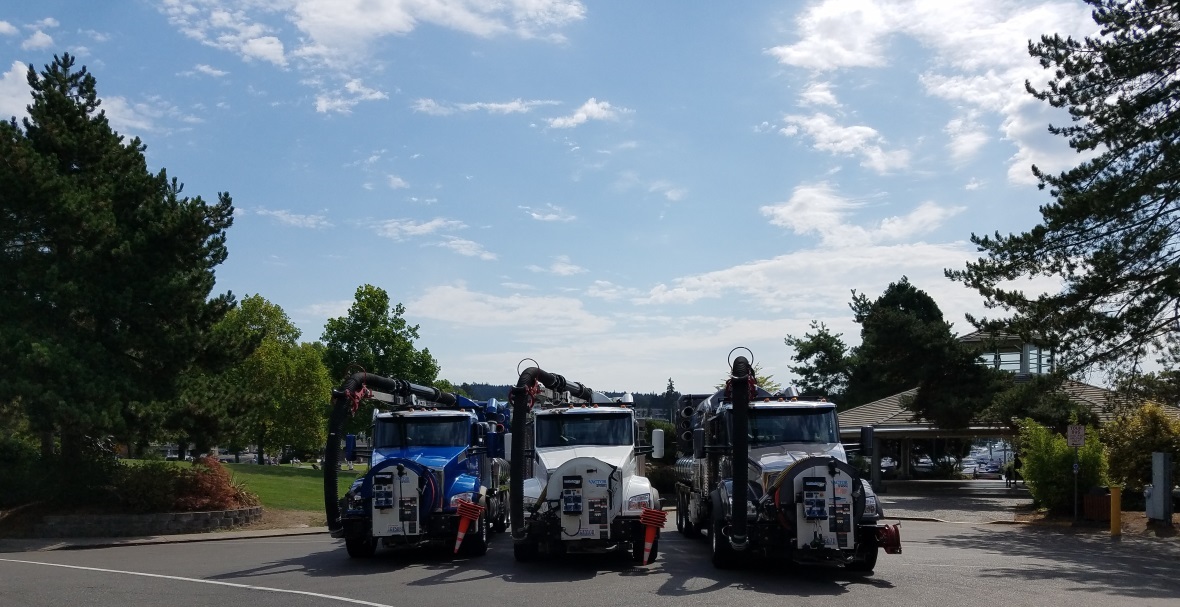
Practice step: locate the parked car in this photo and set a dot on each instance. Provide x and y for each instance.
(989, 471)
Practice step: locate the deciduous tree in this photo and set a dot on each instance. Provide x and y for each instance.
(375, 338)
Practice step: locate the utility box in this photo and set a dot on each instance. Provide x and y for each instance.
(1159, 493)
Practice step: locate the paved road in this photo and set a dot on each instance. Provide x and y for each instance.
(943, 564)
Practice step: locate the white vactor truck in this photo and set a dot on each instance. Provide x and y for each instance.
(765, 474)
(576, 482)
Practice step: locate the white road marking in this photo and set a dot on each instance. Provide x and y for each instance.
(200, 581)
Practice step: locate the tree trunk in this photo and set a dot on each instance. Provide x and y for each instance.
(261, 451)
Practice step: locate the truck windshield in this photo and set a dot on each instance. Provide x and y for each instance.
(769, 426)
(566, 429)
(400, 432)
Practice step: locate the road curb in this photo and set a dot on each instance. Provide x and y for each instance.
(54, 544)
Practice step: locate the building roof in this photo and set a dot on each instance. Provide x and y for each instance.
(890, 416)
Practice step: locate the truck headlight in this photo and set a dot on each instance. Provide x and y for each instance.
(356, 501)
(460, 496)
(639, 502)
(529, 502)
(871, 506)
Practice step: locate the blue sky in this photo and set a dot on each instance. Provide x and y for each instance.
(621, 191)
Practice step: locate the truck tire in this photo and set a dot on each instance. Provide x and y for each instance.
(476, 541)
(525, 551)
(502, 518)
(869, 550)
(360, 547)
(684, 522)
(723, 554)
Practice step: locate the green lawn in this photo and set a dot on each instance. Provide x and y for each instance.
(285, 487)
(289, 487)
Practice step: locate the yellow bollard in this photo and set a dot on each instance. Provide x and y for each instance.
(1116, 511)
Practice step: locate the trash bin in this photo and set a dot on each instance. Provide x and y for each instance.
(1096, 507)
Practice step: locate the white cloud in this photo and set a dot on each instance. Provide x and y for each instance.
(15, 95)
(337, 30)
(397, 183)
(981, 68)
(552, 212)
(8, 29)
(266, 48)
(327, 309)
(210, 70)
(828, 136)
(457, 304)
(606, 290)
(561, 266)
(400, 229)
(354, 92)
(295, 219)
(591, 110)
(668, 190)
(817, 208)
(148, 116)
(839, 34)
(466, 247)
(37, 41)
(818, 93)
(516, 106)
(973, 184)
(967, 137)
(47, 23)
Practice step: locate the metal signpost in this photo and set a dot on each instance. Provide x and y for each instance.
(1076, 438)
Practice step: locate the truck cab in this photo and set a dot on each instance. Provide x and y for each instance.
(581, 473)
(802, 499)
(426, 463)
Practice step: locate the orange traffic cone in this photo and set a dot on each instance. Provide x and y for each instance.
(654, 521)
(467, 512)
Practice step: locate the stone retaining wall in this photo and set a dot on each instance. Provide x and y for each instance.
(128, 525)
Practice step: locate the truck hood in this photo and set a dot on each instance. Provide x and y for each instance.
(431, 457)
(780, 457)
(553, 457)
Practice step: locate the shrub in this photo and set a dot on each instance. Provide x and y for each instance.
(669, 439)
(663, 478)
(1048, 466)
(148, 487)
(167, 487)
(1133, 437)
(207, 485)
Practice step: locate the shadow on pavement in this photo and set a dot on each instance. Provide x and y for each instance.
(1102, 565)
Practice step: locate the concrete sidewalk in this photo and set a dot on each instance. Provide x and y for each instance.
(971, 501)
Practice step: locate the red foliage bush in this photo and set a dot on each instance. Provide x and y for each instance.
(209, 486)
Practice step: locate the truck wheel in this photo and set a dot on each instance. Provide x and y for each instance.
(476, 542)
(684, 522)
(723, 554)
(525, 551)
(502, 522)
(869, 550)
(360, 547)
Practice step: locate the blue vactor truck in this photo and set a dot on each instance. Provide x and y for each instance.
(437, 474)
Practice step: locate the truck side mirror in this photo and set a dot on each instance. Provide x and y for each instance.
(866, 440)
(508, 446)
(657, 443)
(350, 447)
(698, 443)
